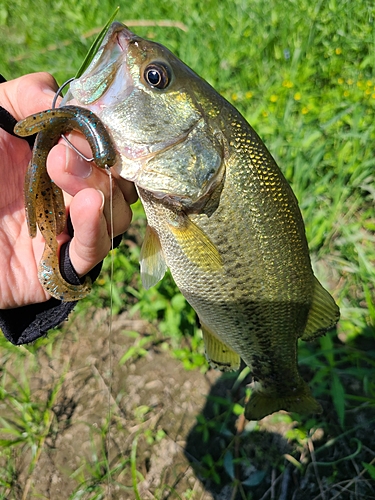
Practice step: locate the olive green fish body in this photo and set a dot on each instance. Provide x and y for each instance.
(44, 200)
(255, 304)
(220, 214)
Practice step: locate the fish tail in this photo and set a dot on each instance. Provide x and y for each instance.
(262, 404)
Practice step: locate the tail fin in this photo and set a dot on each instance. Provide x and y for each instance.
(261, 404)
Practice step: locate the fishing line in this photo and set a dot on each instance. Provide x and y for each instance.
(110, 314)
(58, 93)
(110, 320)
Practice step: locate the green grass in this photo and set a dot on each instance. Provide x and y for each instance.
(302, 73)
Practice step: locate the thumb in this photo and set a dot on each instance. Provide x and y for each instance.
(91, 241)
(28, 94)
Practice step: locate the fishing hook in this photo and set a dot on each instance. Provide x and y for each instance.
(59, 90)
(58, 93)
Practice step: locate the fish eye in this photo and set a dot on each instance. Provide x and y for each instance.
(157, 75)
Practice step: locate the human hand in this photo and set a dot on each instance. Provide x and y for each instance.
(86, 192)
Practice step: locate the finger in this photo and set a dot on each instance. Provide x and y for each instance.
(72, 174)
(127, 188)
(91, 242)
(28, 94)
(76, 165)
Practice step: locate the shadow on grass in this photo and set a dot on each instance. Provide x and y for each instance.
(283, 456)
(230, 456)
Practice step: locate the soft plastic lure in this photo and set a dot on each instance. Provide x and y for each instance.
(44, 200)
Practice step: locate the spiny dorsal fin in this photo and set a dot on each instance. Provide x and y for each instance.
(196, 245)
(323, 315)
(218, 354)
(152, 262)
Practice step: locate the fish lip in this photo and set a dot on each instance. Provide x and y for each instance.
(124, 37)
(120, 42)
(115, 30)
(120, 34)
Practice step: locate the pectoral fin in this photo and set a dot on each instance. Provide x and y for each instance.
(218, 354)
(196, 245)
(323, 314)
(152, 262)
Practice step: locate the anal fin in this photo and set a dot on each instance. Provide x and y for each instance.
(219, 355)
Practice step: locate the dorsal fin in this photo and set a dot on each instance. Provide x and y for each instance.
(323, 315)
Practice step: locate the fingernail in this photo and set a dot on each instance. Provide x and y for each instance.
(103, 199)
(76, 165)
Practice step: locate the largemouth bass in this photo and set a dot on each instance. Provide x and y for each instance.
(220, 215)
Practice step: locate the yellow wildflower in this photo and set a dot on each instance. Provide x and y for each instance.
(249, 95)
(338, 51)
(340, 81)
(297, 96)
(288, 84)
(273, 98)
(234, 96)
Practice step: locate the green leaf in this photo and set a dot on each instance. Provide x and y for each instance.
(5, 443)
(370, 469)
(327, 347)
(338, 396)
(255, 478)
(228, 464)
(95, 46)
(237, 409)
(133, 464)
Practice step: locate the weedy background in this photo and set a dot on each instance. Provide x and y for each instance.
(302, 73)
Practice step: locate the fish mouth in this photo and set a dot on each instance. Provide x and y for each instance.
(119, 34)
(104, 79)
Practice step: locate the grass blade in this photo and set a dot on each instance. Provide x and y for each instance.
(95, 46)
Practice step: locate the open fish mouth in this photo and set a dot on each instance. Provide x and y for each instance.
(106, 83)
(105, 80)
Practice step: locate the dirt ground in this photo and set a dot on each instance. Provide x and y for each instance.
(92, 382)
(153, 404)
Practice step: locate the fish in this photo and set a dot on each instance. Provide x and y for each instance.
(220, 215)
(44, 201)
